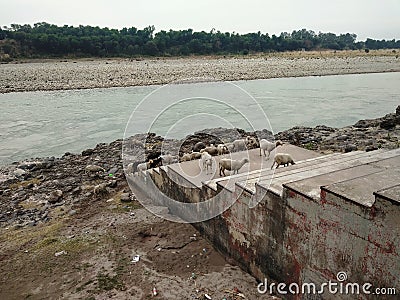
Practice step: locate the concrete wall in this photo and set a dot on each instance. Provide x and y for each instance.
(296, 239)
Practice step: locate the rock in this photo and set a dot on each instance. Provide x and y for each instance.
(125, 197)
(349, 148)
(371, 148)
(19, 172)
(113, 170)
(390, 122)
(112, 184)
(398, 110)
(55, 196)
(87, 152)
(342, 137)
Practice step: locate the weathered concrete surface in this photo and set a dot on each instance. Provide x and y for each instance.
(391, 193)
(319, 217)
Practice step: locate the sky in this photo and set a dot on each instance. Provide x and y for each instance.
(377, 19)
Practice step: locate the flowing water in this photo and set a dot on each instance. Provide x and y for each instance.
(36, 124)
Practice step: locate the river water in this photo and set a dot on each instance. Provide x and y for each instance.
(50, 123)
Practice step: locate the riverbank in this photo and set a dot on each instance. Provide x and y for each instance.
(62, 74)
(70, 233)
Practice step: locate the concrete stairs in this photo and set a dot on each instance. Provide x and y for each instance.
(333, 173)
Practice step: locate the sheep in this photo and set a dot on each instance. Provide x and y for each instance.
(243, 144)
(206, 160)
(212, 150)
(144, 166)
(186, 157)
(222, 149)
(268, 146)
(231, 165)
(155, 162)
(282, 159)
(195, 155)
(198, 146)
(229, 146)
(168, 159)
(239, 145)
(251, 142)
(129, 168)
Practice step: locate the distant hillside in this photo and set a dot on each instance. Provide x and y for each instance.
(47, 40)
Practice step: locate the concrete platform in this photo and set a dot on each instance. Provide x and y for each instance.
(361, 189)
(193, 172)
(391, 193)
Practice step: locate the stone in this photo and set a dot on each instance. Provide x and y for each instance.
(125, 197)
(371, 148)
(113, 170)
(87, 152)
(349, 148)
(19, 172)
(55, 196)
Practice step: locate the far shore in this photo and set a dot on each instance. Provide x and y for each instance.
(66, 74)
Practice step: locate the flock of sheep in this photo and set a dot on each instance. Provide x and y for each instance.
(205, 153)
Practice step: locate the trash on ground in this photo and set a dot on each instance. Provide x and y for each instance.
(136, 258)
(60, 253)
(207, 297)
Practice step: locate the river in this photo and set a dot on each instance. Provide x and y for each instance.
(50, 123)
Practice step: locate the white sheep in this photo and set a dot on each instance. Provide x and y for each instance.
(239, 145)
(212, 150)
(269, 146)
(206, 160)
(222, 149)
(282, 159)
(231, 165)
(186, 157)
(129, 168)
(243, 144)
(144, 166)
(195, 155)
(229, 146)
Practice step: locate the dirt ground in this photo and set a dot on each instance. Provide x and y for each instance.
(88, 255)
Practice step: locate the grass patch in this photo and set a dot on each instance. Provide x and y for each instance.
(108, 283)
(17, 185)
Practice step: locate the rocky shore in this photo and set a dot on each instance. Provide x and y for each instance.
(95, 73)
(31, 189)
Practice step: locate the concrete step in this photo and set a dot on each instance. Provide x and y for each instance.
(391, 193)
(376, 159)
(261, 165)
(362, 189)
(302, 166)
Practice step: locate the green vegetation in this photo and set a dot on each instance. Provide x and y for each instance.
(47, 40)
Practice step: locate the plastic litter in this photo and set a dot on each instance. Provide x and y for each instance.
(154, 291)
(207, 297)
(136, 258)
(60, 253)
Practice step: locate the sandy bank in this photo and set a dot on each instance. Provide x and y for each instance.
(80, 74)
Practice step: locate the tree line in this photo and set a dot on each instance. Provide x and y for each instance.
(48, 40)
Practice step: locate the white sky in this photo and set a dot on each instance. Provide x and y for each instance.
(377, 19)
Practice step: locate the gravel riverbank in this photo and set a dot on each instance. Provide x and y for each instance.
(95, 73)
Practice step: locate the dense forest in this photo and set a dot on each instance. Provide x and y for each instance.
(47, 40)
